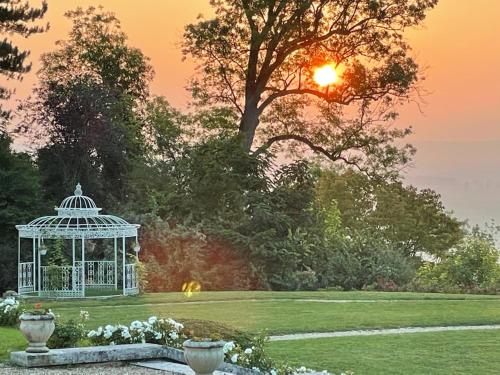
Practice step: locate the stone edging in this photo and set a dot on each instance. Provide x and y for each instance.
(114, 353)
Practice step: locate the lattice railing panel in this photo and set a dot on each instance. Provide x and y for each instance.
(131, 279)
(25, 274)
(99, 274)
(61, 281)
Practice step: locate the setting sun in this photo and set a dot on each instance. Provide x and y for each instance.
(325, 75)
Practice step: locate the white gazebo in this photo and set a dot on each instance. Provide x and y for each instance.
(77, 221)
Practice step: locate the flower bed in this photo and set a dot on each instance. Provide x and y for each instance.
(250, 355)
(10, 309)
(155, 331)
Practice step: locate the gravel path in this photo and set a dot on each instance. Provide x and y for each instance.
(101, 369)
(373, 332)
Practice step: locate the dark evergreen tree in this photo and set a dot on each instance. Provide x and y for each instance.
(19, 203)
(16, 17)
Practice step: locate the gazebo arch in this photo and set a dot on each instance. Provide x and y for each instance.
(78, 220)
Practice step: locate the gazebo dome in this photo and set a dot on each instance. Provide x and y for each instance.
(78, 205)
(78, 217)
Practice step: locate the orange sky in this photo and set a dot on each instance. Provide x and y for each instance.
(459, 44)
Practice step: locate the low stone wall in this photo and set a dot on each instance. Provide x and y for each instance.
(115, 353)
(91, 354)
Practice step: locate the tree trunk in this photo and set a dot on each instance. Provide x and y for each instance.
(248, 124)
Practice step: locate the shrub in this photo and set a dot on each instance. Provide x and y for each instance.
(10, 309)
(470, 267)
(66, 334)
(206, 328)
(365, 259)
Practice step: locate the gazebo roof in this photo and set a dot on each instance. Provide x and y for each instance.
(78, 217)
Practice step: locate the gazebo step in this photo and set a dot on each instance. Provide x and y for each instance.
(90, 354)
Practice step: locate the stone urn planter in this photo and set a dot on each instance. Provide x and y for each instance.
(37, 328)
(204, 357)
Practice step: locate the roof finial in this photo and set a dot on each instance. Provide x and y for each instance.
(78, 190)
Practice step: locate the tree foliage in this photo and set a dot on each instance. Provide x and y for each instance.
(20, 193)
(414, 220)
(257, 57)
(16, 17)
(87, 106)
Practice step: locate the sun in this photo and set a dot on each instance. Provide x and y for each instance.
(325, 75)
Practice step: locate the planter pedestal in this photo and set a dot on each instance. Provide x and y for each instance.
(204, 357)
(37, 329)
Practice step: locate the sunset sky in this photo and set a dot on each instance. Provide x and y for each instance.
(457, 134)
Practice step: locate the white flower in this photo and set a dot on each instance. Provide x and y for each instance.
(177, 326)
(107, 334)
(92, 334)
(112, 343)
(228, 346)
(158, 335)
(234, 358)
(110, 328)
(173, 335)
(136, 324)
(248, 351)
(84, 315)
(274, 372)
(256, 369)
(9, 301)
(126, 334)
(99, 331)
(152, 320)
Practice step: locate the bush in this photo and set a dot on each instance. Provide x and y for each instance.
(470, 267)
(66, 334)
(10, 309)
(207, 328)
(364, 259)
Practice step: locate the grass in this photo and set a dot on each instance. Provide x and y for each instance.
(11, 339)
(294, 312)
(289, 312)
(467, 352)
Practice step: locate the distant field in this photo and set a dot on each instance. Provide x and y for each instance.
(298, 312)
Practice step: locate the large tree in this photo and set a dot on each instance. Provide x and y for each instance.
(86, 108)
(258, 57)
(16, 17)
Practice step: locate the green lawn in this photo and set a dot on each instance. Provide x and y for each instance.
(288, 312)
(11, 340)
(443, 353)
(293, 312)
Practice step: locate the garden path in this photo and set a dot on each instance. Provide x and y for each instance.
(373, 332)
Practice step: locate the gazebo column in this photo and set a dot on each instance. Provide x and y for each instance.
(39, 260)
(124, 276)
(19, 271)
(73, 253)
(116, 263)
(34, 263)
(83, 265)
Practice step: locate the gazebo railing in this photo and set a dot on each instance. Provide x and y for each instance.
(131, 279)
(99, 274)
(25, 274)
(61, 281)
